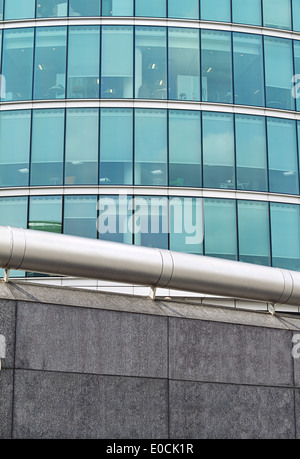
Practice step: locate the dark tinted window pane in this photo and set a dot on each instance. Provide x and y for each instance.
(114, 222)
(86, 8)
(51, 8)
(80, 215)
(150, 221)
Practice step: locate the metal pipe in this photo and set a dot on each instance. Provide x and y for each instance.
(57, 254)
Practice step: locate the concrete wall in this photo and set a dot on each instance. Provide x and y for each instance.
(83, 364)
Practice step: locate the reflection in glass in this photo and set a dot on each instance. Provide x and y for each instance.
(216, 66)
(248, 69)
(216, 10)
(246, 12)
(19, 9)
(17, 63)
(251, 153)
(285, 230)
(155, 8)
(83, 62)
(82, 127)
(150, 221)
(254, 232)
(218, 151)
(45, 213)
(277, 13)
(189, 9)
(184, 64)
(86, 8)
(51, 8)
(186, 225)
(47, 147)
(117, 7)
(185, 148)
(220, 232)
(296, 79)
(150, 63)
(283, 162)
(80, 214)
(150, 147)
(117, 62)
(114, 221)
(14, 147)
(279, 71)
(116, 147)
(50, 63)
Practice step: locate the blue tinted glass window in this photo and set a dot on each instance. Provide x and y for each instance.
(86, 8)
(248, 69)
(296, 78)
(251, 153)
(116, 147)
(80, 215)
(285, 230)
(1, 10)
(47, 147)
(155, 8)
(216, 10)
(82, 132)
(246, 12)
(83, 62)
(218, 151)
(220, 233)
(117, 7)
(45, 213)
(216, 66)
(189, 9)
(277, 13)
(150, 147)
(279, 71)
(19, 9)
(296, 15)
(14, 147)
(185, 148)
(17, 63)
(50, 63)
(117, 62)
(184, 64)
(114, 222)
(186, 225)
(51, 8)
(151, 63)
(150, 221)
(283, 161)
(254, 232)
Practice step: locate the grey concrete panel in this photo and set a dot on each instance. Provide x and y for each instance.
(60, 405)
(7, 329)
(297, 413)
(6, 403)
(219, 411)
(216, 352)
(85, 340)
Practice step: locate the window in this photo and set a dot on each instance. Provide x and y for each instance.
(80, 214)
(220, 233)
(51, 8)
(155, 8)
(296, 15)
(116, 147)
(283, 161)
(254, 232)
(19, 9)
(50, 63)
(251, 153)
(114, 222)
(14, 149)
(1, 10)
(189, 9)
(186, 225)
(184, 64)
(117, 7)
(216, 10)
(277, 13)
(248, 69)
(83, 62)
(47, 150)
(117, 62)
(218, 151)
(150, 147)
(185, 148)
(246, 12)
(17, 63)
(151, 63)
(45, 213)
(86, 8)
(279, 71)
(82, 132)
(296, 80)
(150, 221)
(285, 232)
(216, 66)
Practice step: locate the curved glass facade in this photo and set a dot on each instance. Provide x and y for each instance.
(166, 123)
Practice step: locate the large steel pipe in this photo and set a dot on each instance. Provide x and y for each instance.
(57, 254)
